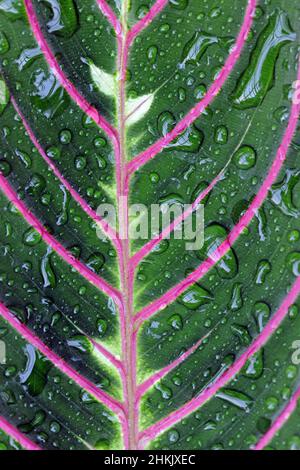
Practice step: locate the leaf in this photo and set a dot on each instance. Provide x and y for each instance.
(104, 81)
(110, 108)
(137, 108)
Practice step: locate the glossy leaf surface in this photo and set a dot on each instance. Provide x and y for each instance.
(111, 342)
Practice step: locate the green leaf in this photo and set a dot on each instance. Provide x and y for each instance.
(110, 110)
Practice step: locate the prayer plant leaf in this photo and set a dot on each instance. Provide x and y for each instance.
(110, 341)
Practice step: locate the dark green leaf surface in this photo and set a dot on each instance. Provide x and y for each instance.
(115, 343)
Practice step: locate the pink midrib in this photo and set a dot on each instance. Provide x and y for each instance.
(132, 34)
(112, 134)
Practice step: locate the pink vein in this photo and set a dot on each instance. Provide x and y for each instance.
(208, 393)
(173, 293)
(279, 422)
(109, 14)
(13, 432)
(76, 196)
(142, 389)
(109, 356)
(146, 20)
(81, 381)
(152, 151)
(148, 247)
(55, 245)
(69, 87)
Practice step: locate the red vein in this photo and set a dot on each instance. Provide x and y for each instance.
(76, 196)
(10, 430)
(230, 63)
(109, 14)
(279, 422)
(68, 86)
(146, 20)
(208, 393)
(111, 403)
(55, 245)
(216, 256)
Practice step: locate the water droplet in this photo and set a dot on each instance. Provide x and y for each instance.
(175, 321)
(253, 369)
(242, 333)
(142, 11)
(4, 44)
(282, 193)
(196, 48)
(179, 4)
(263, 269)
(37, 421)
(47, 271)
(238, 399)
(54, 153)
(95, 262)
(263, 424)
(227, 268)
(27, 57)
(221, 135)
(65, 136)
(80, 163)
(199, 190)
(55, 427)
(189, 141)
(81, 343)
(166, 392)
(261, 312)
(294, 443)
(13, 9)
(102, 327)
(152, 54)
(293, 262)
(36, 185)
(64, 21)
(47, 94)
(173, 436)
(161, 247)
(5, 168)
(195, 297)
(31, 237)
(214, 236)
(236, 298)
(34, 377)
(258, 77)
(4, 96)
(245, 158)
(24, 157)
(272, 403)
(102, 444)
